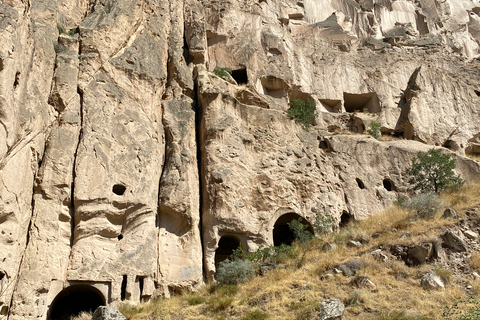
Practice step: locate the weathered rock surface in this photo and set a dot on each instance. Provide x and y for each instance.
(108, 313)
(127, 168)
(432, 281)
(331, 309)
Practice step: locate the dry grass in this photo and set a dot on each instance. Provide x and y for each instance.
(468, 196)
(296, 287)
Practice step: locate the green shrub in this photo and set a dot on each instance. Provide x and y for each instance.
(224, 73)
(300, 231)
(265, 255)
(303, 112)
(433, 172)
(323, 224)
(375, 129)
(255, 315)
(234, 271)
(425, 205)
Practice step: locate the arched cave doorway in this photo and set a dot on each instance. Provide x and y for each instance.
(72, 300)
(226, 246)
(282, 233)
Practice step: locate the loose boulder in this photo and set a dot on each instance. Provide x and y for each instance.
(452, 241)
(449, 213)
(331, 309)
(108, 313)
(432, 281)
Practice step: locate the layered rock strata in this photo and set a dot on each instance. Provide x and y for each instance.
(124, 160)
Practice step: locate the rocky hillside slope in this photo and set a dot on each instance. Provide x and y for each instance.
(128, 169)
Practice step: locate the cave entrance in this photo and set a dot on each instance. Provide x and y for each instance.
(240, 76)
(332, 105)
(282, 233)
(345, 219)
(226, 246)
(73, 300)
(362, 102)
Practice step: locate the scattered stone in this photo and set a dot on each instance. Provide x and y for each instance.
(476, 276)
(354, 244)
(432, 281)
(376, 235)
(406, 235)
(350, 268)
(470, 235)
(420, 253)
(328, 247)
(264, 269)
(107, 313)
(331, 309)
(327, 275)
(449, 213)
(364, 282)
(469, 287)
(452, 241)
(379, 255)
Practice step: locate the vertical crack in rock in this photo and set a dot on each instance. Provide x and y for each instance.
(201, 182)
(72, 189)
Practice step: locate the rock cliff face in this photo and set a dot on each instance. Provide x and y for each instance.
(128, 169)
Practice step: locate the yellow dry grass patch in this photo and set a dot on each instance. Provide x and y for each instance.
(295, 288)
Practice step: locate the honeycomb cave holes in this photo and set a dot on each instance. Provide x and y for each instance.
(226, 246)
(388, 185)
(119, 189)
(345, 219)
(361, 102)
(360, 183)
(240, 76)
(74, 300)
(281, 231)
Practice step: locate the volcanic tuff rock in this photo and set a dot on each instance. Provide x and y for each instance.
(128, 169)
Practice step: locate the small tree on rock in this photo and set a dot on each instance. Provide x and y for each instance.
(433, 172)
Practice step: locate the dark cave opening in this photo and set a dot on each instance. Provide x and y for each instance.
(75, 299)
(240, 76)
(226, 246)
(119, 189)
(388, 184)
(360, 183)
(281, 231)
(345, 219)
(123, 288)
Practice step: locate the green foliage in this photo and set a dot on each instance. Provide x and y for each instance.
(234, 271)
(303, 112)
(224, 73)
(255, 315)
(375, 129)
(265, 255)
(425, 205)
(300, 231)
(323, 224)
(433, 172)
